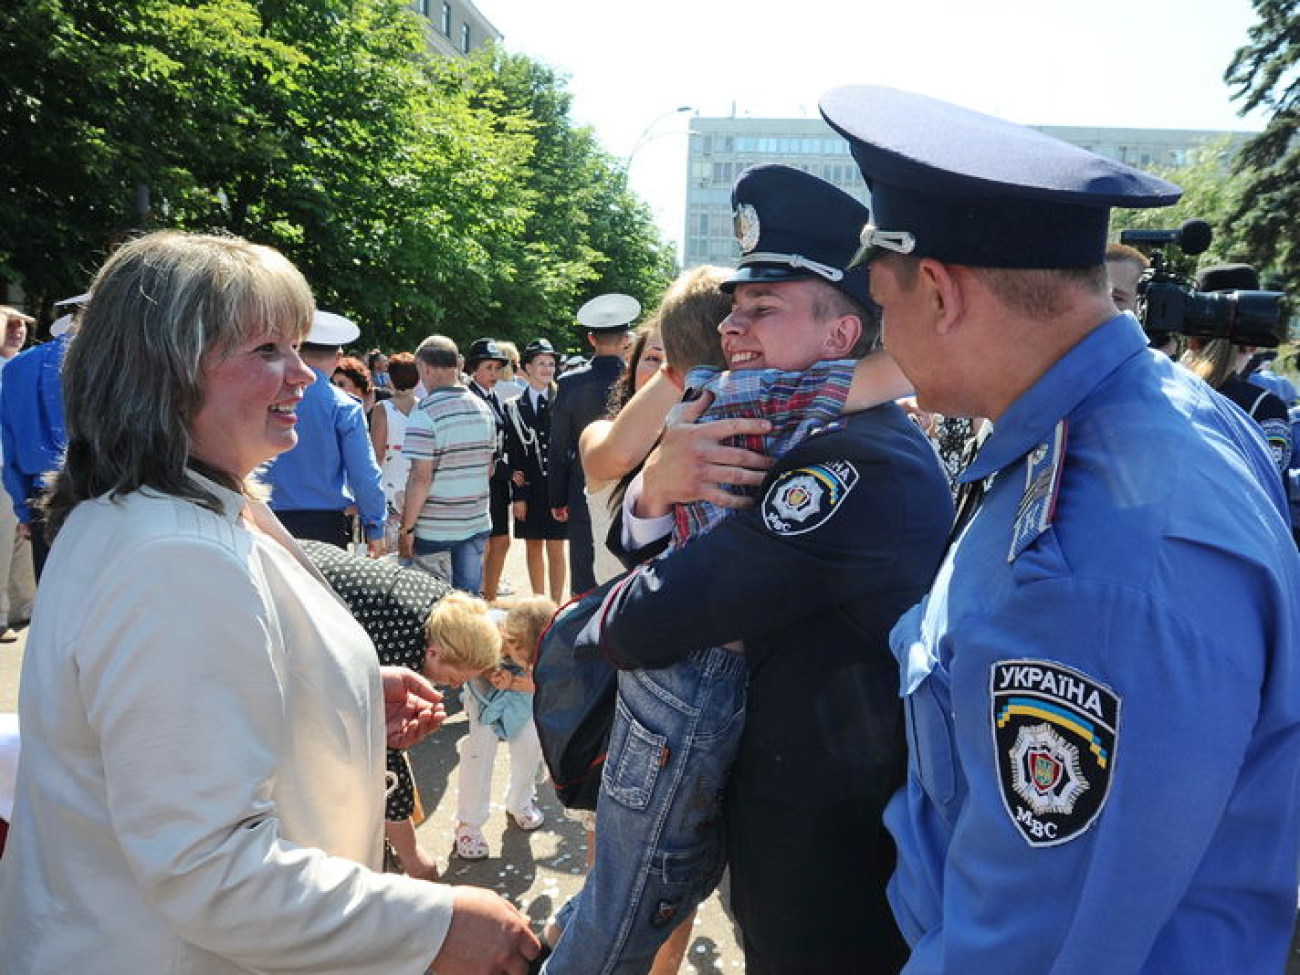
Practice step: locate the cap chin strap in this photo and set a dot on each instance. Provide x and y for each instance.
(874, 240)
(795, 261)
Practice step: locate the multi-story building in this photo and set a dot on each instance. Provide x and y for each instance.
(721, 148)
(456, 28)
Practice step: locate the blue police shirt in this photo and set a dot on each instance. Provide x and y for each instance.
(31, 420)
(333, 466)
(1102, 690)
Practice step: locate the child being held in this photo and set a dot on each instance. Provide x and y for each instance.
(498, 702)
(676, 729)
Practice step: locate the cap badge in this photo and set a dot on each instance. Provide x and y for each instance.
(746, 226)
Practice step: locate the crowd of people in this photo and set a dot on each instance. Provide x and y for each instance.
(954, 615)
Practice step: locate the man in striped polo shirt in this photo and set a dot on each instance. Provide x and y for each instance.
(450, 438)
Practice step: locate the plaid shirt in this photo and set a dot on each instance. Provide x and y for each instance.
(796, 404)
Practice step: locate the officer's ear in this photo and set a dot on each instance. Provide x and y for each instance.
(942, 295)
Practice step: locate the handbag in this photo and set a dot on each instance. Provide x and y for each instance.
(573, 705)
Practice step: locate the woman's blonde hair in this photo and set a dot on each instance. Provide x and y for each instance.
(161, 308)
(462, 627)
(1214, 361)
(526, 618)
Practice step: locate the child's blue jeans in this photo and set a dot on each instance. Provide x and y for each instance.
(659, 835)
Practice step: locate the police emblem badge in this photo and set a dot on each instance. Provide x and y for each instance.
(802, 499)
(745, 225)
(1054, 733)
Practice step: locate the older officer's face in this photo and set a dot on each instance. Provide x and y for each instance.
(901, 295)
(776, 325)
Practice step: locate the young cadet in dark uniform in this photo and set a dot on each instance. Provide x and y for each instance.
(846, 535)
(583, 396)
(528, 436)
(483, 363)
(1103, 685)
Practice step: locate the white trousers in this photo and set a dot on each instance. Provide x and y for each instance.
(478, 751)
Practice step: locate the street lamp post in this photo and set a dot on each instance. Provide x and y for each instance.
(644, 137)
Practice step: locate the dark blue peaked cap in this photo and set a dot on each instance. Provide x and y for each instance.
(792, 226)
(968, 188)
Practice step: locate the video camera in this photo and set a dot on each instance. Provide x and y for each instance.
(1168, 301)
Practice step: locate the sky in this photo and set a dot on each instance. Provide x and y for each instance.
(631, 63)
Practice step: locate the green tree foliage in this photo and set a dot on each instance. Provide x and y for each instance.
(1265, 74)
(586, 234)
(417, 194)
(1212, 191)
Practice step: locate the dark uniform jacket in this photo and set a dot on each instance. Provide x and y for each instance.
(849, 528)
(528, 446)
(502, 468)
(582, 397)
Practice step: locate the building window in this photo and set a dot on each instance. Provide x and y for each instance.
(464, 38)
(446, 18)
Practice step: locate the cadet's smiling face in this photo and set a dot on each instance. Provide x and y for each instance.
(774, 325)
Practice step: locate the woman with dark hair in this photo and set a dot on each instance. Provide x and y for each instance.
(528, 436)
(202, 784)
(611, 454)
(353, 377)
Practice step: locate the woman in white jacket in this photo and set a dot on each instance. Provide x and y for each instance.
(201, 789)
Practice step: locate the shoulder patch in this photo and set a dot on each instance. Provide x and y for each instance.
(1278, 435)
(803, 499)
(1037, 507)
(1055, 731)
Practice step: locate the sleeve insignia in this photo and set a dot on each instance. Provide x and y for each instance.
(1037, 507)
(802, 500)
(1055, 731)
(1278, 435)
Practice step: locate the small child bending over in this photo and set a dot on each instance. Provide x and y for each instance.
(499, 704)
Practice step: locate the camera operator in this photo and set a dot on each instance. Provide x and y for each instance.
(1220, 362)
(1125, 266)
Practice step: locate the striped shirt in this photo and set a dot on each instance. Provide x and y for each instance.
(457, 431)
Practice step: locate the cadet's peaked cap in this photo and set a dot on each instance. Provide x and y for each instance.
(74, 300)
(1227, 277)
(484, 350)
(609, 313)
(968, 188)
(328, 328)
(60, 325)
(792, 226)
(538, 347)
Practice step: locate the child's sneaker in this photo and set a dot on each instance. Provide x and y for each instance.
(529, 818)
(471, 844)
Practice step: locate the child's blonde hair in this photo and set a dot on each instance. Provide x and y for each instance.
(526, 618)
(692, 309)
(462, 627)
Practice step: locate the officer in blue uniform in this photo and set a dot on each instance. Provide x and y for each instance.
(582, 395)
(333, 466)
(847, 532)
(1103, 685)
